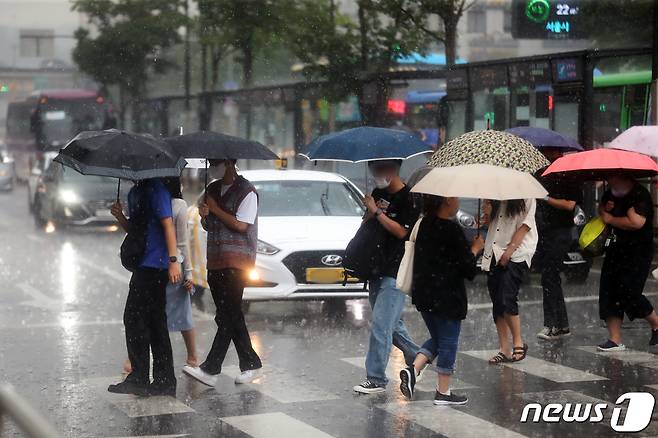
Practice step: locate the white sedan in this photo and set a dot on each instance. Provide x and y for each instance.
(305, 221)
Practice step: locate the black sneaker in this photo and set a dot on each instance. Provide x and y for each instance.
(369, 387)
(452, 399)
(654, 338)
(611, 346)
(408, 382)
(127, 387)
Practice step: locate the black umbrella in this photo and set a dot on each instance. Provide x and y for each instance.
(211, 145)
(120, 154)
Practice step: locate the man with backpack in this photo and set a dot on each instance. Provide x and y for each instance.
(389, 217)
(150, 252)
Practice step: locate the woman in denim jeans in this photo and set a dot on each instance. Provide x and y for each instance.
(443, 259)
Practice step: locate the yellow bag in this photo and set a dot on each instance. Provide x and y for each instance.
(592, 238)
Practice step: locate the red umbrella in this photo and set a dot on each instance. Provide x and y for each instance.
(598, 164)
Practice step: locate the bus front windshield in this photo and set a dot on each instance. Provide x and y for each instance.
(60, 120)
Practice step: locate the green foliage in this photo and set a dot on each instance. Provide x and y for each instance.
(618, 23)
(129, 39)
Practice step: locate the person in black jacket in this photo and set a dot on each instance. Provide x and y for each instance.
(442, 260)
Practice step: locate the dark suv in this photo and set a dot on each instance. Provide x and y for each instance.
(66, 197)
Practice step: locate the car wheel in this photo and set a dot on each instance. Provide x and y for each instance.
(577, 275)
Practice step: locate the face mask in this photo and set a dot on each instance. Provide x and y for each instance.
(619, 192)
(217, 171)
(382, 182)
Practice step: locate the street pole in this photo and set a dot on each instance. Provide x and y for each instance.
(186, 56)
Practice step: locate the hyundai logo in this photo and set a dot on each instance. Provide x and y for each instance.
(332, 260)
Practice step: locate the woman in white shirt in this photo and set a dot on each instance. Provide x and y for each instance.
(511, 243)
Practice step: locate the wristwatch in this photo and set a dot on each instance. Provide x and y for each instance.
(173, 259)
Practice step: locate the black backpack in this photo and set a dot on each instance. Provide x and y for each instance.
(364, 254)
(133, 246)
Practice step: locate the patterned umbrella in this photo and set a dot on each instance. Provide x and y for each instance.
(490, 147)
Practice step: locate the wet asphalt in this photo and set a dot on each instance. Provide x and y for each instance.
(62, 341)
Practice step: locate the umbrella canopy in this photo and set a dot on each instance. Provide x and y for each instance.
(215, 146)
(599, 164)
(490, 147)
(481, 181)
(545, 138)
(366, 143)
(642, 139)
(120, 154)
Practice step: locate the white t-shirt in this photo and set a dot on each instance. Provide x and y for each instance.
(247, 209)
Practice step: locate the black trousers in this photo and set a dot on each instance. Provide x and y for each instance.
(227, 286)
(553, 246)
(145, 320)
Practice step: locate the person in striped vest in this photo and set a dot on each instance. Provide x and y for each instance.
(230, 215)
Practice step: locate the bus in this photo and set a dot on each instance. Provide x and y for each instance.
(421, 114)
(47, 119)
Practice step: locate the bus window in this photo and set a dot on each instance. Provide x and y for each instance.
(456, 118)
(60, 120)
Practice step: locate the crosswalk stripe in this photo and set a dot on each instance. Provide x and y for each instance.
(427, 383)
(154, 436)
(447, 421)
(274, 424)
(282, 385)
(540, 368)
(628, 356)
(134, 406)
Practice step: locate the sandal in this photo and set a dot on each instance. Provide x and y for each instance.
(523, 351)
(499, 358)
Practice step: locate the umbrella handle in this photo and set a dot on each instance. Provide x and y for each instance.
(478, 217)
(119, 190)
(205, 183)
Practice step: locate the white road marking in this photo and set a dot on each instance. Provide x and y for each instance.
(282, 385)
(123, 277)
(274, 424)
(153, 436)
(427, 383)
(540, 368)
(447, 421)
(134, 406)
(39, 299)
(576, 299)
(628, 356)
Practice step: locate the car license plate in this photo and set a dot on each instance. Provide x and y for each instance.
(327, 275)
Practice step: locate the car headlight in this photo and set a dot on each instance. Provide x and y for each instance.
(466, 220)
(266, 248)
(68, 197)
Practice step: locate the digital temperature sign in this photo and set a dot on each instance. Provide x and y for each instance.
(546, 19)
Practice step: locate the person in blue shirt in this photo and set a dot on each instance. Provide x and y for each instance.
(144, 317)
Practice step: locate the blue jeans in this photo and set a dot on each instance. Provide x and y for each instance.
(443, 342)
(387, 329)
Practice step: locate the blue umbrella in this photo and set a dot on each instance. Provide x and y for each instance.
(366, 143)
(545, 138)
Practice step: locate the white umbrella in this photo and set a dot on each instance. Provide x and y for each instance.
(480, 181)
(642, 139)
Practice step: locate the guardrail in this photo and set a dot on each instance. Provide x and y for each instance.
(30, 422)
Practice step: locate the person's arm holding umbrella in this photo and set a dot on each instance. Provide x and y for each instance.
(227, 219)
(389, 224)
(117, 212)
(560, 204)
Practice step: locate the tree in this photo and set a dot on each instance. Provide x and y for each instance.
(618, 23)
(449, 12)
(247, 27)
(131, 37)
(354, 57)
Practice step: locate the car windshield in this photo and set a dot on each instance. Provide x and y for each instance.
(307, 198)
(72, 176)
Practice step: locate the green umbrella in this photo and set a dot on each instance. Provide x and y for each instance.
(490, 147)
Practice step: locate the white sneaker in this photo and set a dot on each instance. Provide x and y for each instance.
(248, 376)
(200, 375)
(547, 333)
